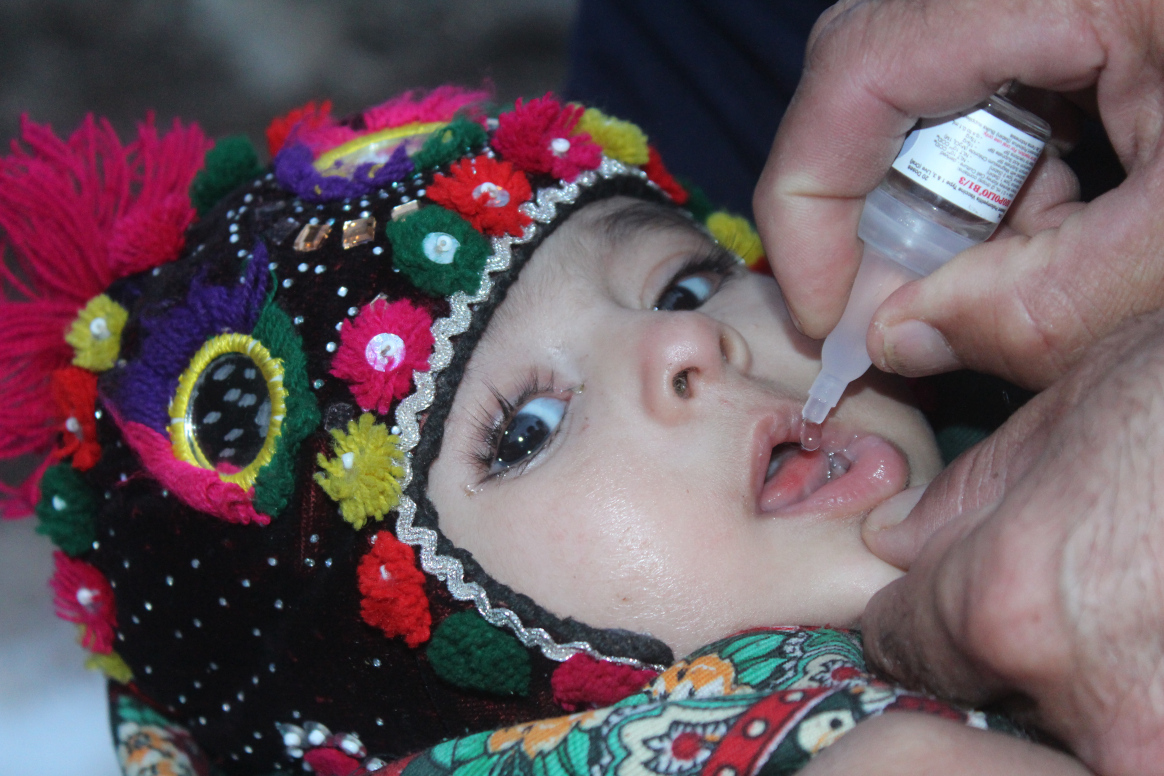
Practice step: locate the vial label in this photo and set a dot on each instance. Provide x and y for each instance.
(976, 161)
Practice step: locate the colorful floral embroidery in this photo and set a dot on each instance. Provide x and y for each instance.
(74, 392)
(439, 251)
(392, 590)
(678, 740)
(264, 407)
(468, 652)
(329, 160)
(456, 139)
(111, 665)
(737, 235)
(583, 682)
(485, 192)
(706, 676)
(151, 750)
(66, 510)
(768, 729)
(380, 349)
(543, 735)
(82, 595)
(364, 477)
(213, 322)
(96, 334)
(619, 139)
(305, 118)
(657, 173)
(539, 137)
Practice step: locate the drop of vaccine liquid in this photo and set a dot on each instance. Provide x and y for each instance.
(810, 436)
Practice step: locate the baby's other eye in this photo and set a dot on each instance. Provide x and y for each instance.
(526, 433)
(687, 294)
(697, 281)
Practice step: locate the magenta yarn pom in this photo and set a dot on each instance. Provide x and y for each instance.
(379, 351)
(585, 683)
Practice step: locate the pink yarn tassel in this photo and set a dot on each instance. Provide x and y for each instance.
(441, 104)
(199, 488)
(75, 215)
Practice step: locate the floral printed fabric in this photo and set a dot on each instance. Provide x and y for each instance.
(762, 702)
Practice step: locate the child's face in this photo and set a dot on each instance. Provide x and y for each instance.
(633, 487)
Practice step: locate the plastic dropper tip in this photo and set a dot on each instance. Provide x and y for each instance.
(816, 410)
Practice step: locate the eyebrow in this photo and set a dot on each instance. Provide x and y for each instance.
(625, 223)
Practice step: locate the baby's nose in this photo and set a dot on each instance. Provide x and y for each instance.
(682, 357)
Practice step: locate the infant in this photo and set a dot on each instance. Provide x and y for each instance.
(441, 426)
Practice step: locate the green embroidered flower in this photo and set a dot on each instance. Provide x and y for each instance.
(66, 510)
(439, 251)
(471, 653)
(454, 140)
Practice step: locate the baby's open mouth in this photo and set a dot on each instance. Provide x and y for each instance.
(794, 473)
(850, 474)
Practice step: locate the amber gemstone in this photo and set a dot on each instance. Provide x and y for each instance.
(359, 231)
(311, 236)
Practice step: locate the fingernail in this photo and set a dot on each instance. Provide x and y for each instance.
(914, 348)
(894, 509)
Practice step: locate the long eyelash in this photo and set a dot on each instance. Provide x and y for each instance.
(491, 424)
(714, 259)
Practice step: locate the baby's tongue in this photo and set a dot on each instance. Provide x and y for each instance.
(798, 474)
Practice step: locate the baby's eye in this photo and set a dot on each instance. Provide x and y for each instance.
(531, 426)
(698, 280)
(687, 294)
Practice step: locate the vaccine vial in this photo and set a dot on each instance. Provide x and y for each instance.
(948, 189)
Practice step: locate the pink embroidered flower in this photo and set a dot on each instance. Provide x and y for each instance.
(538, 136)
(486, 193)
(380, 349)
(81, 595)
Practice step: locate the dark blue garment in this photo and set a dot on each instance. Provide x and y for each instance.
(707, 80)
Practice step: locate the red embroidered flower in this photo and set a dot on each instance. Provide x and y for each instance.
(537, 136)
(486, 193)
(380, 349)
(585, 683)
(331, 762)
(657, 173)
(393, 591)
(310, 116)
(74, 391)
(82, 595)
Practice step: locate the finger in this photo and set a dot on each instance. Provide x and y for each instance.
(870, 72)
(1026, 308)
(1048, 197)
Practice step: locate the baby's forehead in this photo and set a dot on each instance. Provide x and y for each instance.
(611, 222)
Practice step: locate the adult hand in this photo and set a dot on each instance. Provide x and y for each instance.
(1025, 304)
(1035, 571)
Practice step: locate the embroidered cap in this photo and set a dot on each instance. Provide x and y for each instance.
(243, 407)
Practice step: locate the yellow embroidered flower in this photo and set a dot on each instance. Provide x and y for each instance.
(111, 665)
(364, 477)
(544, 734)
(96, 334)
(619, 139)
(737, 235)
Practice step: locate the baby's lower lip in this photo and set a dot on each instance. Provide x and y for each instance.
(876, 471)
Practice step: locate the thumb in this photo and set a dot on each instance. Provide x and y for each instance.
(897, 530)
